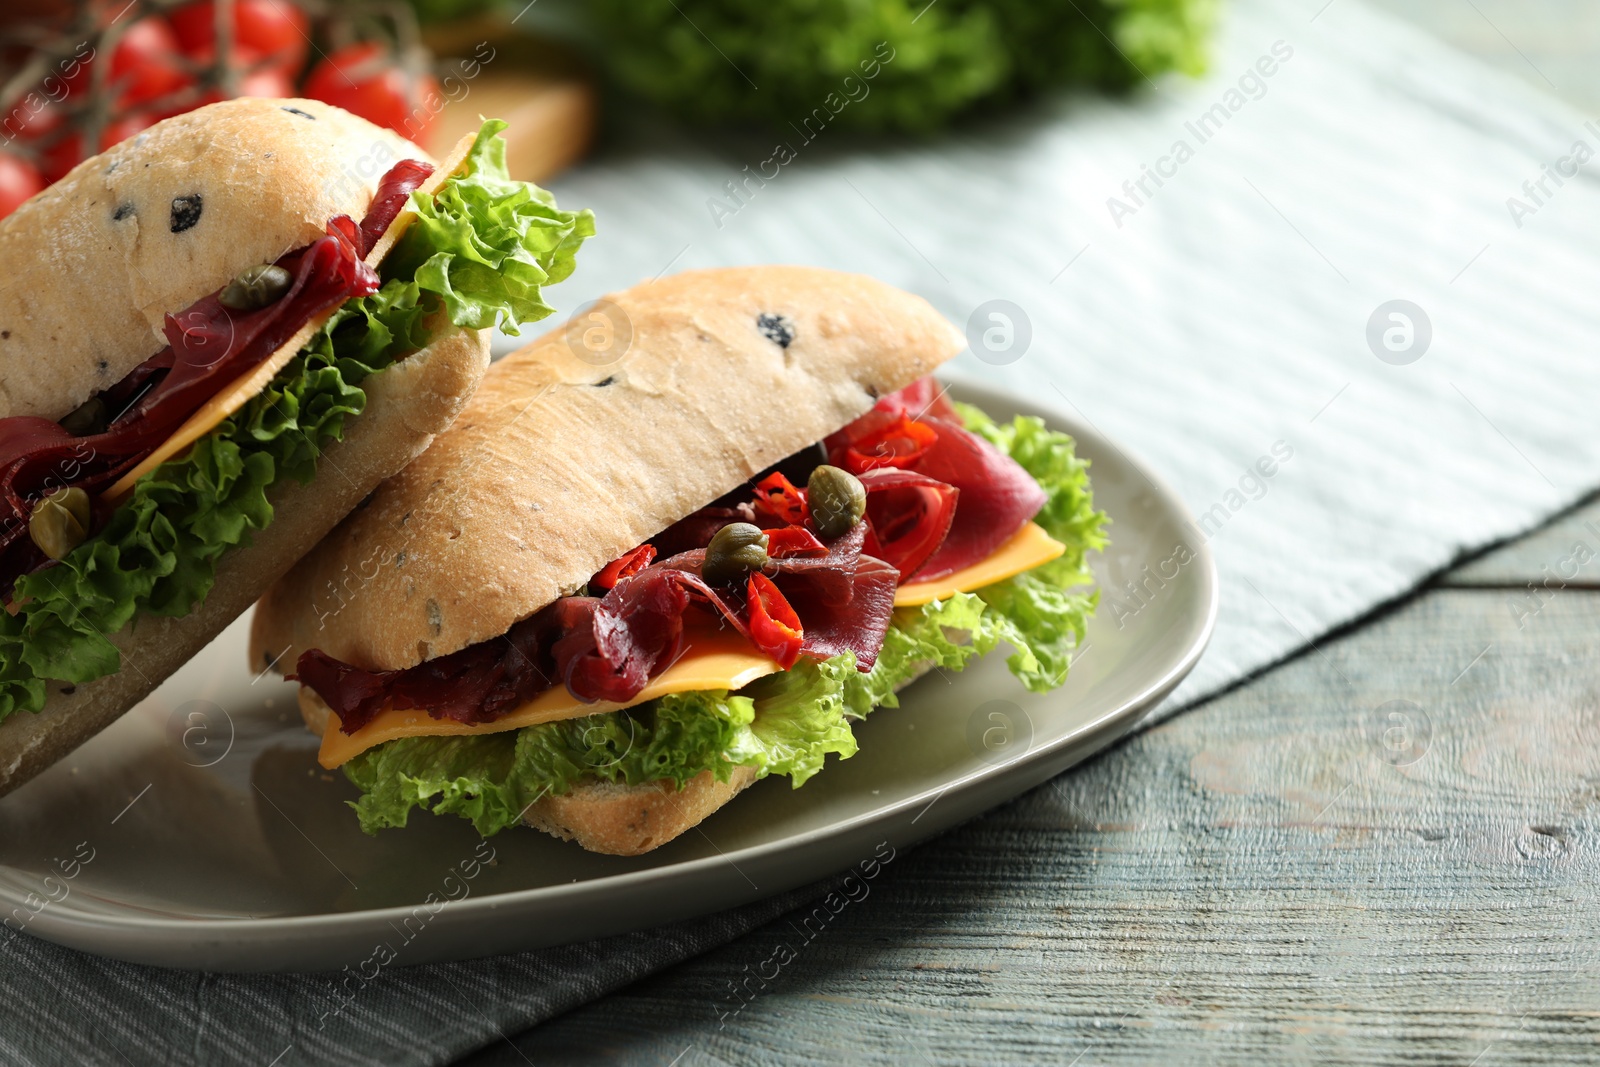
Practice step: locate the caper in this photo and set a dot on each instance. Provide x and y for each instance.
(734, 552)
(836, 499)
(255, 288)
(87, 418)
(60, 522)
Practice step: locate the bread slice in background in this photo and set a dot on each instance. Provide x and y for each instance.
(407, 404)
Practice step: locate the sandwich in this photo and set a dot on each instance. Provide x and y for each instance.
(618, 591)
(216, 338)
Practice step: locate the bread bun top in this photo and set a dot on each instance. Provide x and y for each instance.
(592, 439)
(95, 262)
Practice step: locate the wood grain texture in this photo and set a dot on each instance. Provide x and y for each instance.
(1564, 553)
(1264, 879)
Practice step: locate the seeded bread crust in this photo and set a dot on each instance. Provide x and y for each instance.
(407, 405)
(592, 439)
(151, 225)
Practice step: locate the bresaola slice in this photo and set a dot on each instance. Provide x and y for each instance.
(996, 496)
(394, 189)
(477, 684)
(608, 648)
(208, 346)
(922, 399)
(858, 626)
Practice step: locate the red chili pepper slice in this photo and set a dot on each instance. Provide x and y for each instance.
(900, 444)
(908, 516)
(781, 498)
(624, 566)
(786, 542)
(774, 627)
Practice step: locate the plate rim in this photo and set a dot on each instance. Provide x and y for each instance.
(73, 928)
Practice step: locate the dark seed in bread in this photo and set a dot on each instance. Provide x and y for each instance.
(186, 211)
(779, 329)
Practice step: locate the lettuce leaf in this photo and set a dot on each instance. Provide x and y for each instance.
(785, 723)
(902, 65)
(1042, 612)
(799, 720)
(158, 553)
(486, 243)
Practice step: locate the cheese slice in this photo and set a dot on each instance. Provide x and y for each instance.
(1028, 547)
(233, 396)
(711, 659)
(229, 399)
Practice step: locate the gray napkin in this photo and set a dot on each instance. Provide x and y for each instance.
(1234, 320)
(66, 1007)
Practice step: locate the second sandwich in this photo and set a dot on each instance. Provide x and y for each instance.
(619, 590)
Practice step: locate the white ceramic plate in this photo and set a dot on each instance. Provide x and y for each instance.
(199, 831)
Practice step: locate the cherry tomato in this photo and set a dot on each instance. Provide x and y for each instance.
(146, 63)
(126, 126)
(74, 70)
(256, 78)
(273, 28)
(60, 156)
(363, 80)
(268, 81)
(31, 120)
(261, 81)
(19, 180)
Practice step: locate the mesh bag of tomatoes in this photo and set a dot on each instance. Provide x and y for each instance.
(78, 78)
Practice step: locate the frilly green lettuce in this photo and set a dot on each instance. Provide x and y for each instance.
(785, 724)
(487, 244)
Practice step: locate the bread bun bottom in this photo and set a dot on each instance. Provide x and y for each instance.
(407, 404)
(630, 820)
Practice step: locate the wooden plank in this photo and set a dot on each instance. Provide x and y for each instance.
(1277, 876)
(1564, 553)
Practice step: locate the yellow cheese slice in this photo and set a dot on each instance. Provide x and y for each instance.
(1028, 547)
(230, 398)
(710, 660)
